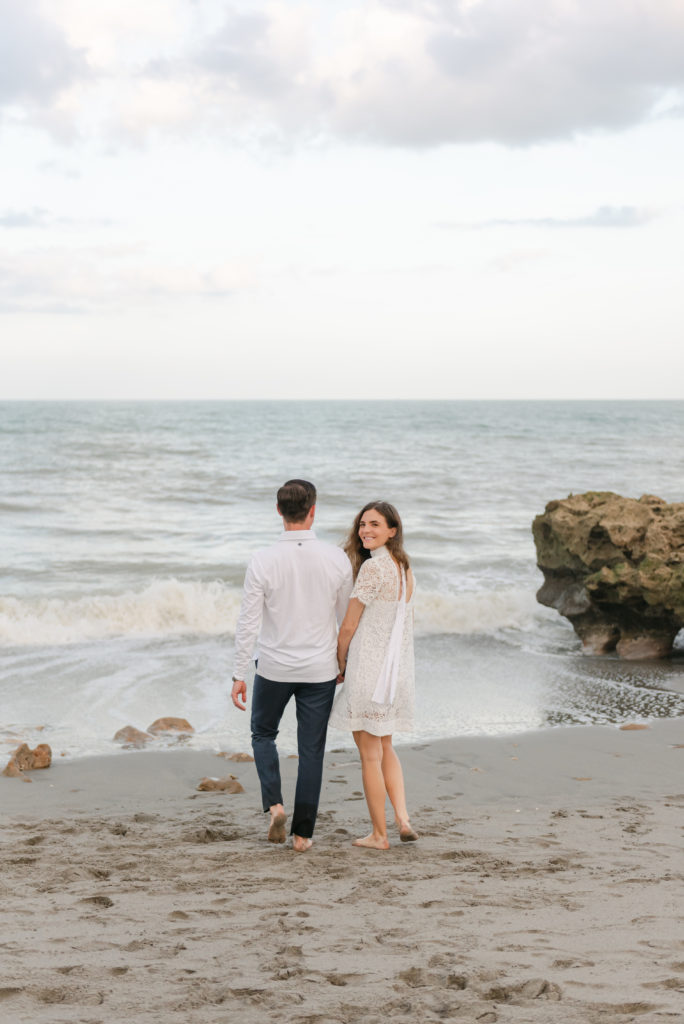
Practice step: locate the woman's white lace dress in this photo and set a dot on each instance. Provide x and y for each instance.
(377, 586)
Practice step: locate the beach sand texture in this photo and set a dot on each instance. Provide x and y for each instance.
(546, 888)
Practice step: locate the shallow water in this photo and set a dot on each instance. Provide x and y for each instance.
(126, 529)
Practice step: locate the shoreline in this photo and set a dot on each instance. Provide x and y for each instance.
(540, 764)
(545, 888)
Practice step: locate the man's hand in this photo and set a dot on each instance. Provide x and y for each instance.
(239, 694)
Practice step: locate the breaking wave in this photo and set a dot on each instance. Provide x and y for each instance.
(468, 614)
(176, 608)
(164, 608)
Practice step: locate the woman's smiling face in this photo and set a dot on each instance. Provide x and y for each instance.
(373, 530)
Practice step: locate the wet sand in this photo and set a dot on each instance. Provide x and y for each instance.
(547, 886)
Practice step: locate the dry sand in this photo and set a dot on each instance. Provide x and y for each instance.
(546, 888)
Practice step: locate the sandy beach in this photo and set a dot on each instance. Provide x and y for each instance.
(547, 886)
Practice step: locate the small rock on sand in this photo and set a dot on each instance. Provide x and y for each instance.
(170, 725)
(131, 737)
(228, 785)
(24, 759)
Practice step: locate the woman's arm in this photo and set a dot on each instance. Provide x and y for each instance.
(347, 629)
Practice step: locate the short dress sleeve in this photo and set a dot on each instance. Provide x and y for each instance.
(368, 582)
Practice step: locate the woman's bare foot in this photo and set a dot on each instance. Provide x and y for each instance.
(301, 844)
(406, 833)
(276, 830)
(372, 842)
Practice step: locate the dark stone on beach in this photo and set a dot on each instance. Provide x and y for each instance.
(132, 738)
(177, 725)
(228, 785)
(614, 567)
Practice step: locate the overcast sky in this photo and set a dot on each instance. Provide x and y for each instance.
(337, 198)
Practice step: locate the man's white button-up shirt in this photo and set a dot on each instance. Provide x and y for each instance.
(296, 593)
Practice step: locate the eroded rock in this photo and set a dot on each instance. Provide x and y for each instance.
(227, 785)
(614, 567)
(177, 725)
(24, 759)
(132, 738)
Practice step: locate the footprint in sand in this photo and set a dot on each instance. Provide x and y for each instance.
(534, 988)
(416, 977)
(213, 835)
(82, 996)
(101, 873)
(10, 990)
(98, 901)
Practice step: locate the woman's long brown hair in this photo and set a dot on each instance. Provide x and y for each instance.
(355, 550)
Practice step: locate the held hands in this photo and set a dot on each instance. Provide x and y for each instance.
(239, 694)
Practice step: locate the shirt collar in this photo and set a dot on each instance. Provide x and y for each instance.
(297, 535)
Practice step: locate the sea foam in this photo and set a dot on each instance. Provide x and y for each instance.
(179, 608)
(482, 612)
(164, 608)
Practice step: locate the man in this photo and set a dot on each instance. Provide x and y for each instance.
(296, 593)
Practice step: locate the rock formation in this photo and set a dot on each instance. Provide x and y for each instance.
(24, 759)
(614, 567)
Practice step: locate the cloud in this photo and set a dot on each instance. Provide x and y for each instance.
(36, 61)
(424, 73)
(38, 217)
(602, 217)
(92, 279)
(409, 73)
(35, 218)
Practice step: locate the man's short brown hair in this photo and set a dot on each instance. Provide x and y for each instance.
(295, 499)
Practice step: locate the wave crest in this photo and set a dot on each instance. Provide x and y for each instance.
(468, 614)
(164, 608)
(177, 608)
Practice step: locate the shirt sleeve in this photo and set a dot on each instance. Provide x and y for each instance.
(344, 593)
(249, 621)
(368, 582)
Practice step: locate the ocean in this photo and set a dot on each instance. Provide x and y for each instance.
(126, 528)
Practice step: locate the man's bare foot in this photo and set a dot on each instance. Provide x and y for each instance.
(301, 844)
(372, 842)
(276, 830)
(406, 833)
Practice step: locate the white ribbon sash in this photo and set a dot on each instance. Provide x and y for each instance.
(386, 686)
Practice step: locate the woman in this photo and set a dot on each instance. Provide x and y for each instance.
(375, 655)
